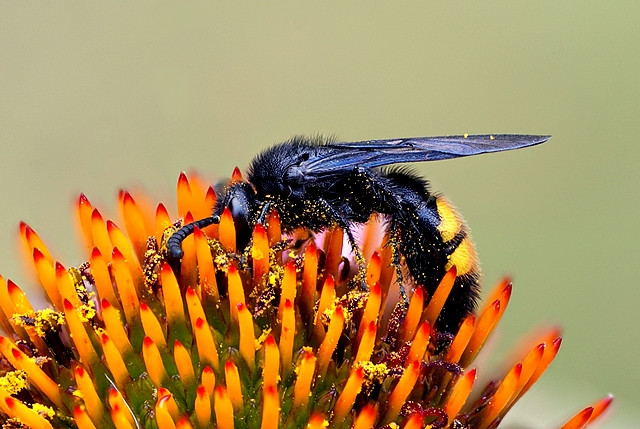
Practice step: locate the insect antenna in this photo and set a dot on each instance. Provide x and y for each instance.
(174, 248)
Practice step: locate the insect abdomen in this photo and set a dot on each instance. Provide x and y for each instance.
(460, 251)
(432, 242)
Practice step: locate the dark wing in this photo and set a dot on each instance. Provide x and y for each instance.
(340, 157)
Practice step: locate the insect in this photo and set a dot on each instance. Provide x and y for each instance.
(316, 184)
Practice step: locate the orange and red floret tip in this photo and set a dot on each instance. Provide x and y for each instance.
(322, 353)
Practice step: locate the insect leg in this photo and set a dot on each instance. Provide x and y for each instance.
(394, 242)
(264, 211)
(344, 225)
(390, 205)
(174, 248)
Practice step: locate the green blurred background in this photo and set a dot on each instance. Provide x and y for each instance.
(94, 98)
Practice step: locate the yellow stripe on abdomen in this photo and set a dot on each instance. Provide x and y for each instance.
(464, 258)
(450, 222)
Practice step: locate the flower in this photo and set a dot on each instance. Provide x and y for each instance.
(276, 336)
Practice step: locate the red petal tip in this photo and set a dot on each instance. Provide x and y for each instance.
(270, 341)
(127, 198)
(95, 215)
(82, 199)
(161, 209)
(166, 268)
(236, 176)
(28, 231)
(12, 287)
(508, 289)
(60, 269)
(117, 254)
(377, 289)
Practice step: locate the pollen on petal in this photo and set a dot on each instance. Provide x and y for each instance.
(260, 253)
(206, 270)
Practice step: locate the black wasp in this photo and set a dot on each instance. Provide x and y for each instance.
(316, 184)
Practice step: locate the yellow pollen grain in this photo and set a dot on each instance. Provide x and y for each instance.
(43, 410)
(13, 381)
(256, 253)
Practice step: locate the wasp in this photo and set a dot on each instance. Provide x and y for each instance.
(316, 184)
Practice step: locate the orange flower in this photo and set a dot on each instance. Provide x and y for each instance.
(276, 337)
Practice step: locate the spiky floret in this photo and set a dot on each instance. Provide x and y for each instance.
(278, 339)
